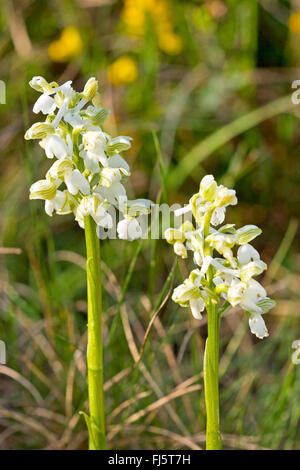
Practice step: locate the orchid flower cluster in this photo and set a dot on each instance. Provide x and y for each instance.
(88, 173)
(229, 275)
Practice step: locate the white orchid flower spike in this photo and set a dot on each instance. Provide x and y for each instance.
(227, 278)
(88, 175)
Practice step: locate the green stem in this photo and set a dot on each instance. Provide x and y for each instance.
(211, 379)
(211, 359)
(96, 420)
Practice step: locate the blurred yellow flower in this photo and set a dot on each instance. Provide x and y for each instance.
(294, 22)
(124, 70)
(170, 43)
(69, 45)
(134, 15)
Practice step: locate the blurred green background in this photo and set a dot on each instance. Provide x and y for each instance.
(203, 87)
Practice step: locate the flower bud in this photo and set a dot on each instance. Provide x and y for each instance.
(208, 188)
(90, 88)
(187, 227)
(39, 130)
(247, 253)
(180, 249)
(225, 197)
(198, 258)
(59, 169)
(42, 189)
(173, 235)
(41, 85)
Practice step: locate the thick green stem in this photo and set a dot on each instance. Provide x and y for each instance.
(211, 379)
(96, 420)
(211, 360)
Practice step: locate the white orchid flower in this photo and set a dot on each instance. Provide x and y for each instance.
(75, 182)
(66, 90)
(187, 294)
(254, 268)
(59, 169)
(45, 104)
(41, 85)
(252, 293)
(90, 205)
(109, 176)
(43, 189)
(247, 253)
(54, 146)
(223, 243)
(218, 216)
(197, 306)
(257, 326)
(129, 229)
(60, 203)
(74, 119)
(115, 195)
(94, 143)
(119, 163)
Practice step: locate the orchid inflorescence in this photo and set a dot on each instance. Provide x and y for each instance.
(88, 173)
(227, 276)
